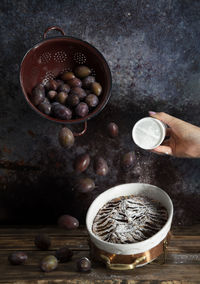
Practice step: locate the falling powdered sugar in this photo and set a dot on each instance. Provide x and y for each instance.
(129, 219)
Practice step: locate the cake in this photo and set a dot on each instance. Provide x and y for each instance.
(129, 219)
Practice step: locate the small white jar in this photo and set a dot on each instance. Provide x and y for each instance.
(148, 133)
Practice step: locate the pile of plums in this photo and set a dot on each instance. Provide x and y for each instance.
(69, 96)
(62, 255)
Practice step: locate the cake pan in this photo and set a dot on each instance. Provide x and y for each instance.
(129, 256)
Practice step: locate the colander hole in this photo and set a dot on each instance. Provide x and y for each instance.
(79, 58)
(45, 57)
(48, 76)
(60, 56)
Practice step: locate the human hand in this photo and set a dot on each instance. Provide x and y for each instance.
(184, 138)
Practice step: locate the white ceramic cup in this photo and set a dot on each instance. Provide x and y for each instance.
(140, 189)
(148, 133)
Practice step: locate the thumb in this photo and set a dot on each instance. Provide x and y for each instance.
(164, 117)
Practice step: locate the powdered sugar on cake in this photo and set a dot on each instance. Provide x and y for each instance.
(129, 219)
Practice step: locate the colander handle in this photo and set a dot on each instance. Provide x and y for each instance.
(53, 28)
(82, 132)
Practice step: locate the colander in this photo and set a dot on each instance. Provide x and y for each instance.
(52, 56)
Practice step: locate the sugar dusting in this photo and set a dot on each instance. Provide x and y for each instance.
(129, 219)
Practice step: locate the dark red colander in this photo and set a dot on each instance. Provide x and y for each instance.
(55, 55)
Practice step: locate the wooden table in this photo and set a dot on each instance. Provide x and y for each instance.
(182, 264)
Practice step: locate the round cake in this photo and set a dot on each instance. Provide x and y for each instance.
(129, 219)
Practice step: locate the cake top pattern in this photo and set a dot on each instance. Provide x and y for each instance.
(129, 219)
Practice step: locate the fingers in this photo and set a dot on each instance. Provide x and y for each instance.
(162, 149)
(164, 117)
(165, 148)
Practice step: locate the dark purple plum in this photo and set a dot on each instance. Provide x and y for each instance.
(17, 258)
(86, 82)
(92, 100)
(64, 254)
(81, 163)
(79, 92)
(73, 100)
(52, 85)
(38, 95)
(84, 264)
(128, 160)
(75, 83)
(82, 109)
(68, 222)
(85, 185)
(113, 129)
(61, 111)
(42, 242)
(100, 166)
(66, 137)
(64, 88)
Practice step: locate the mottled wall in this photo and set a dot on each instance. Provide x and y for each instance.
(153, 50)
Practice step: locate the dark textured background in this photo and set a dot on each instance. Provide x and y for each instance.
(153, 50)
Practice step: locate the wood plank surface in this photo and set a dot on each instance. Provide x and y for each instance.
(182, 263)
